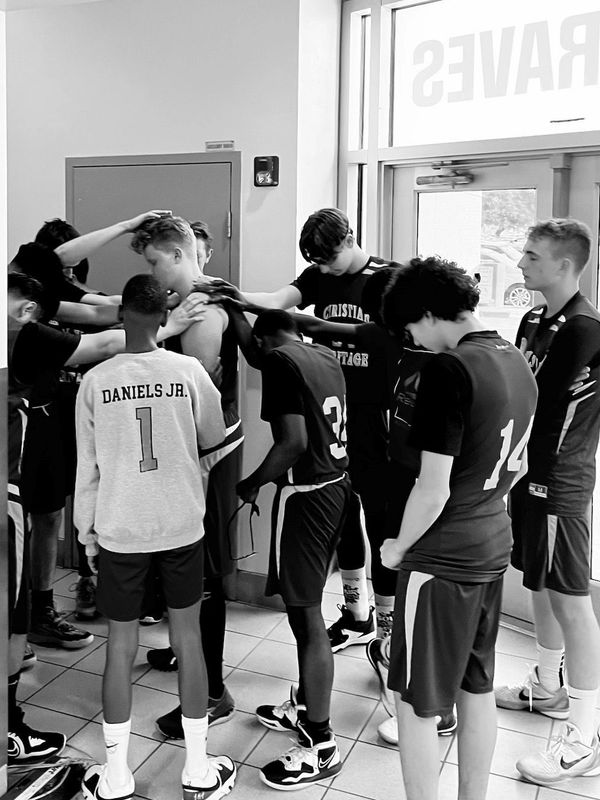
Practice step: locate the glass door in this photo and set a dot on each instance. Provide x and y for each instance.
(477, 213)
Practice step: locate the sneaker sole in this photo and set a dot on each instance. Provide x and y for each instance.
(29, 664)
(549, 782)
(554, 714)
(49, 641)
(361, 638)
(447, 731)
(189, 793)
(39, 757)
(275, 726)
(294, 787)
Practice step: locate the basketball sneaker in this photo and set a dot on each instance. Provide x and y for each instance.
(221, 777)
(163, 659)
(283, 717)
(219, 711)
(346, 630)
(85, 598)
(566, 757)
(378, 658)
(91, 781)
(26, 744)
(304, 764)
(531, 695)
(50, 628)
(388, 730)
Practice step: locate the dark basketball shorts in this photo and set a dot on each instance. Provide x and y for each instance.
(18, 565)
(44, 479)
(122, 579)
(552, 552)
(223, 464)
(443, 640)
(305, 529)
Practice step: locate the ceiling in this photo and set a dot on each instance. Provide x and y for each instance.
(19, 5)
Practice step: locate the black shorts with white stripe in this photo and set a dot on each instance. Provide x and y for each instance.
(443, 640)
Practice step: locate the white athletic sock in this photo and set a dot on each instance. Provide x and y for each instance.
(582, 705)
(356, 593)
(117, 776)
(549, 664)
(196, 768)
(384, 611)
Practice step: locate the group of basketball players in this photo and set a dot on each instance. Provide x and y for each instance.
(433, 418)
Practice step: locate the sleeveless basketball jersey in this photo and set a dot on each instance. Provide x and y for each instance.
(471, 539)
(338, 299)
(319, 380)
(562, 448)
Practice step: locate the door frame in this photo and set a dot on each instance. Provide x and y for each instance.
(516, 602)
(231, 157)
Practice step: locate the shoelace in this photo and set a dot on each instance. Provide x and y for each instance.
(295, 756)
(529, 681)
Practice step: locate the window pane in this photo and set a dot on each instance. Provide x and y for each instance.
(465, 70)
(359, 78)
(484, 232)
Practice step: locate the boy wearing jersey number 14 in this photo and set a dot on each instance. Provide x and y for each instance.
(141, 418)
(303, 399)
(473, 414)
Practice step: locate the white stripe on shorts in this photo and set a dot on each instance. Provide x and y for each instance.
(416, 582)
(286, 493)
(15, 512)
(552, 525)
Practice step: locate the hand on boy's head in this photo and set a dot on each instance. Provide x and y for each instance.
(135, 222)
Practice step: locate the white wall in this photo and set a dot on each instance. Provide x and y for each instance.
(3, 182)
(163, 76)
(318, 67)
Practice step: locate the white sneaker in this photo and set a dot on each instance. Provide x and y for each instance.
(388, 730)
(531, 695)
(566, 757)
(222, 773)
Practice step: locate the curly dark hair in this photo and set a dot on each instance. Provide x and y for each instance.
(57, 231)
(431, 284)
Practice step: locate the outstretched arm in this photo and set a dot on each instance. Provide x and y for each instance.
(71, 253)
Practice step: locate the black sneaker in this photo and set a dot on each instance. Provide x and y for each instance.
(50, 628)
(91, 780)
(303, 765)
(219, 711)
(85, 599)
(222, 773)
(283, 717)
(347, 630)
(26, 744)
(163, 659)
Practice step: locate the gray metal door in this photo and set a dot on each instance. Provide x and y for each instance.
(101, 191)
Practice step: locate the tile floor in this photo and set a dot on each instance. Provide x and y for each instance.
(62, 692)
